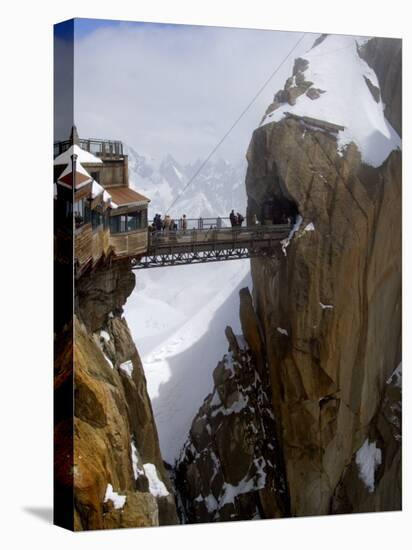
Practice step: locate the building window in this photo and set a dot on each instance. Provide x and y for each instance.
(78, 207)
(97, 219)
(132, 222)
(128, 222)
(87, 214)
(105, 220)
(115, 224)
(79, 212)
(95, 147)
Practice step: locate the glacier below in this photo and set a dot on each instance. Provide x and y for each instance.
(178, 315)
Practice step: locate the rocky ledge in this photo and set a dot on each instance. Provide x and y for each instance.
(119, 476)
(231, 466)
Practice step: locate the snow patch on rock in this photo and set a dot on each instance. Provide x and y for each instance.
(285, 243)
(237, 406)
(135, 461)
(326, 306)
(309, 227)
(156, 486)
(127, 367)
(118, 500)
(396, 377)
(104, 335)
(99, 338)
(368, 458)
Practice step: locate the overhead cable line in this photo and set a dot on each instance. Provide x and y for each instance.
(235, 123)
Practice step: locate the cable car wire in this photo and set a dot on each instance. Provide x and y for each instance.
(215, 148)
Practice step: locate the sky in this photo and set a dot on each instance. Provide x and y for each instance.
(175, 89)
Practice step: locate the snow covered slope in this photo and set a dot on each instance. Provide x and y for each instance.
(347, 87)
(177, 317)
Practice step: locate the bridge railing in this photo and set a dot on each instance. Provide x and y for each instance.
(202, 223)
(210, 232)
(98, 147)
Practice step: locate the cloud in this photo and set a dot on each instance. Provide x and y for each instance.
(176, 88)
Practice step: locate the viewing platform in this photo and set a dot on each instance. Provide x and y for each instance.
(102, 148)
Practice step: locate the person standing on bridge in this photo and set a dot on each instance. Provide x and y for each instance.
(240, 219)
(232, 217)
(166, 223)
(172, 228)
(184, 222)
(158, 222)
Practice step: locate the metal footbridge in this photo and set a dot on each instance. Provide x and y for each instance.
(202, 240)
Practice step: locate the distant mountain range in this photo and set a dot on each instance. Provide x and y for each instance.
(219, 187)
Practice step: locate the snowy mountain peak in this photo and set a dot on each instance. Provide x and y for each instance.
(216, 189)
(169, 162)
(332, 83)
(171, 170)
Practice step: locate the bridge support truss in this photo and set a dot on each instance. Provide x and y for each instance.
(168, 259)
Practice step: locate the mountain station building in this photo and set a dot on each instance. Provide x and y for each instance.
(91, 185)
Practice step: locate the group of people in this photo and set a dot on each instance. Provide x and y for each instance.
(167, 223)
(236, 220)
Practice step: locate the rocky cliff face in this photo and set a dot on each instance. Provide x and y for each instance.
(119, 476)
(231, 466)
(384, 55)
(305, 415)
(330, 301)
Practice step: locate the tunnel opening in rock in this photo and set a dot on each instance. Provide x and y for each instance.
(277, 209)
